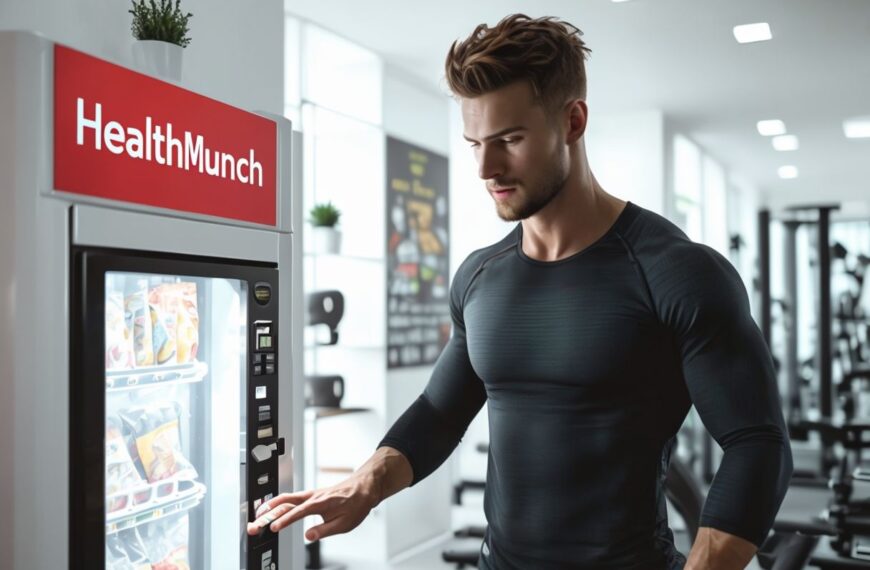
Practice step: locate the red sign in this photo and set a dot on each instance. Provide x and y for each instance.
(125, 136)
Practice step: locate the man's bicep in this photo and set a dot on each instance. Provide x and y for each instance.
(454, 388)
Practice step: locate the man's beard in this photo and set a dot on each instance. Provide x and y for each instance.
(533, 201)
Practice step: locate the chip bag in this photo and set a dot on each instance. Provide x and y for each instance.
(121, 472)
(158, 441)
(166, 543)
(119, 337)
(139, 315)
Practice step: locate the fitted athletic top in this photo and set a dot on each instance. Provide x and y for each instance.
(589, 365)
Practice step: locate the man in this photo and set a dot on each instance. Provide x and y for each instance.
(589, 330)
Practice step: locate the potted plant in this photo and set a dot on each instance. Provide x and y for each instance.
(324, 218)
(161, 32)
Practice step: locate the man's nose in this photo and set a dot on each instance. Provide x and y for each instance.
(489, 165)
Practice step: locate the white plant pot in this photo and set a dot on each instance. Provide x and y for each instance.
(162, 59)
(326, 240)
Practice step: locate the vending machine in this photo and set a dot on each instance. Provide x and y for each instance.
(149, 338)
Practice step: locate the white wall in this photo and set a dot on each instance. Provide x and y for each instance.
(627, 155)
(235, 54)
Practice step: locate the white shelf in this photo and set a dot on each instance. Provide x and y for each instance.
(155, 375)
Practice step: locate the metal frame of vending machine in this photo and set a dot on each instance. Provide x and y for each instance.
(72, 224)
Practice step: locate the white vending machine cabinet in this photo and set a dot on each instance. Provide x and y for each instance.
(148, 332)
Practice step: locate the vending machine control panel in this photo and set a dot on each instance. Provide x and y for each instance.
(263, 442)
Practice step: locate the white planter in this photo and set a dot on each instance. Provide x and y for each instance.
(162, 59)
(326, 240)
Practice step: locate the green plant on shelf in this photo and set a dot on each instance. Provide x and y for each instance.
(324, 215)
(160, 21)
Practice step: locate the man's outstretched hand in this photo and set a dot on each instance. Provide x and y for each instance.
(343, 506)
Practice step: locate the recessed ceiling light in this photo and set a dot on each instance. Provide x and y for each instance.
(748, 33)
(785, 142)
(857, 127)
(787, 172)
(771, 127)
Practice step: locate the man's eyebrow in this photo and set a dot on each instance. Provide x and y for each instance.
(501, 133)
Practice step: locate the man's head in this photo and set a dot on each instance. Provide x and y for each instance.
(522, 86)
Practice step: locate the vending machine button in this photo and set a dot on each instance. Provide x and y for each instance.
(260, 392)
(265, 413)
(258, 369)
(270, 356)
(264, 432)
(263, 453)
(258, 358)
(270, 369)
(263, 479)
(267, 560)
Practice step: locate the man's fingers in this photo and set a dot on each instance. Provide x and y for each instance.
(300, 511)
(295, 498)
(268, 516)
(327, 528)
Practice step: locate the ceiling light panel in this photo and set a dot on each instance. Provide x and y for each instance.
(785, 142)
(857, 128)
(787, 172)
(749, 33)
(770, 127)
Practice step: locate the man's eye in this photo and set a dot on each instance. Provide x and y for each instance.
(511, 140)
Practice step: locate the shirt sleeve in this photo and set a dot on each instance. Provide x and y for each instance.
(730, 378)
(431, 428)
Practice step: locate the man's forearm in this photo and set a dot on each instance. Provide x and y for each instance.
(717, 550)
(388, 471)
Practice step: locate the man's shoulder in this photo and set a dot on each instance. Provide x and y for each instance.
(659, 243)
(479, 257)
(671, 262)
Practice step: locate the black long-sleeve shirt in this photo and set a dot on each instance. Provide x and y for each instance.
(589, 366)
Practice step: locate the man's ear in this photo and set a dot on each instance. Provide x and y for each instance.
(577, 113)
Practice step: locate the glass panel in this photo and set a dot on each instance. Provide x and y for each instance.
(175, 409)
(715, 207)
(340, 75)
(345, 164)
(687, 187)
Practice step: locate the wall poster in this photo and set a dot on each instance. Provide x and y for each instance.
(418, 313)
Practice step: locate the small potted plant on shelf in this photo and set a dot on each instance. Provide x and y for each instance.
(161, 30)
(324, 218)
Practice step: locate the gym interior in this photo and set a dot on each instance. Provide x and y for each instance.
(755, 146)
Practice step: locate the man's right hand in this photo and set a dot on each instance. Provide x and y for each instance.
(343, 506)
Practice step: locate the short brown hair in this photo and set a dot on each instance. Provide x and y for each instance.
(546, 52)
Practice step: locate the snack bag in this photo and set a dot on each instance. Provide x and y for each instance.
(165, 542)
(163, 305)
(121, 473)
(187, 330)
(139, 315)
(119, 338)
(158, 441)
(125, 551)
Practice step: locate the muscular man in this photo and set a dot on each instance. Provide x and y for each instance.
(589, 330)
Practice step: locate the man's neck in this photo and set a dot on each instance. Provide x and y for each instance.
(576, 218)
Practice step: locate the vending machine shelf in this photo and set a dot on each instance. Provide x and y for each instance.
(149, 503)
(148, 376)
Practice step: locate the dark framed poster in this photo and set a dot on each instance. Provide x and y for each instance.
(418, 229)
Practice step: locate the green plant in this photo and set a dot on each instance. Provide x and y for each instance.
(324, 215)
(163, 22)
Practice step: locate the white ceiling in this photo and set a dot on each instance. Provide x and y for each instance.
(678, 56)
